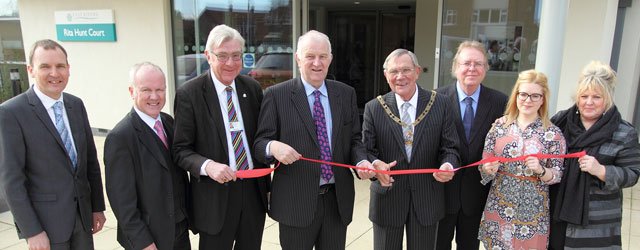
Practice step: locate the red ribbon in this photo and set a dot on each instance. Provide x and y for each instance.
(255, 173)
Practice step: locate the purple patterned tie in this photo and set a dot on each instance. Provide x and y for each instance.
(323, 139)
(236, 136)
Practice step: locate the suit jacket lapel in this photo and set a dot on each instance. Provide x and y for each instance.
(148, 137)
(168, 129)
(213, 106)
(455, 103)
(423, 99)
(396, 129)
(43, 116)
(248, 116)
(482, 113)
(76, 125)
(336, 117)
(301, 104)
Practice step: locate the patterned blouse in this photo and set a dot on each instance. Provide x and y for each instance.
(516, 215)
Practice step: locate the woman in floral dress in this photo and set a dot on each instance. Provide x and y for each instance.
(516, 215)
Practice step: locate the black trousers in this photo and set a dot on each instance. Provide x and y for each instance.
(181, 241)
(326, 232)
(244, 221)
(465, 228)
(419, 237)
(80, 239)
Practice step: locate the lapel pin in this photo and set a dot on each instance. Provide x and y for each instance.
(244, 95)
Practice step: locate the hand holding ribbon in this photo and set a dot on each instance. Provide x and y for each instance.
(254, 173)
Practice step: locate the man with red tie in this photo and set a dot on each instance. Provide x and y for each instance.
(147, 191)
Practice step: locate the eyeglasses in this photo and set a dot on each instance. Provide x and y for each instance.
(534, 97)
(468, 65)
(403, 71)
(224, 57)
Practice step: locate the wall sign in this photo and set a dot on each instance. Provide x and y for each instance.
(86, 25)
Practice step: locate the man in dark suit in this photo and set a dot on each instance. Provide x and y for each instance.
(146, 190)
(408, 128)
(465, 195)
(48, 162)
(216, 118)
(317, 118)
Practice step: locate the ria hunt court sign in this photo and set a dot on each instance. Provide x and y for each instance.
(86, 25)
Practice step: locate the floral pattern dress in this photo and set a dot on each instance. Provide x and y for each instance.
(516, 215)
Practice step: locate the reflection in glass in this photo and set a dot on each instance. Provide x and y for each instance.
(13, 71)
(508, 29)
(264, 24)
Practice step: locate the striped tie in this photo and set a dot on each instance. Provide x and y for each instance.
(236, 136)
(64, 133)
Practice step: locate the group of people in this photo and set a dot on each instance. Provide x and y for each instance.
(165, 176)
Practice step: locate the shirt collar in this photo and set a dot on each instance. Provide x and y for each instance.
(413, 101)
(219, 86)
(461, 95)
(150, 121)
(308, 88)
(47, 101)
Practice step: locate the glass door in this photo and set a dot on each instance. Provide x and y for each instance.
(362, 35)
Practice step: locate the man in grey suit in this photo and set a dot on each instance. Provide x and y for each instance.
(475, 107)
(48, 162)
(147, 191)
(315, 118)
(408, 128)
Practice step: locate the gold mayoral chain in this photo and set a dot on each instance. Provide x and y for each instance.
(397, 119)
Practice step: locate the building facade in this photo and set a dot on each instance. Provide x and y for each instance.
(557, 37)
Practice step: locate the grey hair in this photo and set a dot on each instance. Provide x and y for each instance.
(223, 33)
(311, 35)
(136, 67)
(398, 53)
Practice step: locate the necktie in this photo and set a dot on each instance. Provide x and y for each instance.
(160, 132)
(407, 129)
(236, 135)
(467, 119)
(323, 138)
(64, 133)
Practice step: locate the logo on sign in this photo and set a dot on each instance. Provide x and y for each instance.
(249, 60)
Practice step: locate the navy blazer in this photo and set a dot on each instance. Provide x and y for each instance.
(465, 191)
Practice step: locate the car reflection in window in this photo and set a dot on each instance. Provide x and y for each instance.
(272, 68)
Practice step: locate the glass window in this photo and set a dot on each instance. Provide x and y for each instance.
(13, 70)
(509, 31)
(265, 25)
(451, 18)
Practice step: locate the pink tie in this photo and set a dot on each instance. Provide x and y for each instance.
(160, 131)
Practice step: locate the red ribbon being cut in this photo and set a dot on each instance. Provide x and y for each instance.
(255, 173)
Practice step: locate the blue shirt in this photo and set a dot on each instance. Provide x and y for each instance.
(324, 99)
(463, 105)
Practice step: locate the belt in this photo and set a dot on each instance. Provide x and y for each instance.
(325, 188)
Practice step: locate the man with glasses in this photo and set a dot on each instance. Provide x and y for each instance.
(475, 107)
(316, 118)
(408, 128)
(215, 122)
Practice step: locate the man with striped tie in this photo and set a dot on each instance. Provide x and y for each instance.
(216, 118)
(147, 191)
